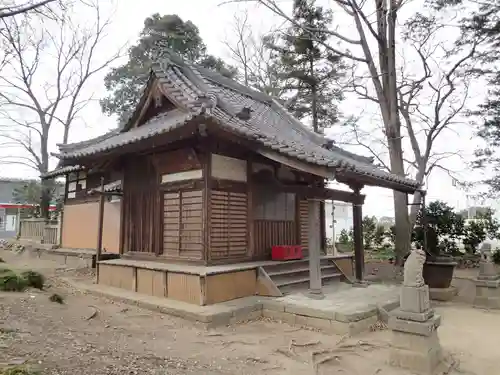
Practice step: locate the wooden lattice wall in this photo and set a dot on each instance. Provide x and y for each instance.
(304, 223)
(228, 225)
(183, 224)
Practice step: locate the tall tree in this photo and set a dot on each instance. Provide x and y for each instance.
(43, 82)
(481, 26)
(11, 9)
(372, 40)
(257, 65)
(432, 102)
(373, 43)
(125, 83)
(312, 70)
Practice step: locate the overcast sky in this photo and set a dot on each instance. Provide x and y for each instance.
(214, 22)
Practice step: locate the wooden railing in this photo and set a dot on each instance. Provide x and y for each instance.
(40, 230)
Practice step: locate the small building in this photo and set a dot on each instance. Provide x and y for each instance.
(202, 181)
(339, 218)
(9, 210)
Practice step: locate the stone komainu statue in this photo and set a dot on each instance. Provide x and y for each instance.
(413, 270)
(486, 253)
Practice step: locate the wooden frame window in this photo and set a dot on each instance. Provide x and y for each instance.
(76, 184)
(274, 205)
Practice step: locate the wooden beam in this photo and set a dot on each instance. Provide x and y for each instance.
(314, 245)
(359, 256)
(100, 225)
(318, 193)
(297, 164)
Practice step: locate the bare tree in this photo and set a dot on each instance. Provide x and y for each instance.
(42, 85)
(430, 104)
(373, 43)
(12, 9)
(253, 58)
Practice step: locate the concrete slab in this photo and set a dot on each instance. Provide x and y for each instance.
(345, 309)
(213, 315)
(343, 302)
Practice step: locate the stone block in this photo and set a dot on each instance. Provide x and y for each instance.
(442, 294)
(417, 328)
(487, 302)
(251, 315)
(279, 316)
(270, 304)
(414, 299)
(312, 322)
(487, 283)
(417, 343)
(354, 315)
(487, 270)
(219, 319)
(362, 325)
(413, 316)
(309, 311)
(416, 362)
(242, 312)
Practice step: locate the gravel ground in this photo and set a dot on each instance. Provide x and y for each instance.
(94, 335)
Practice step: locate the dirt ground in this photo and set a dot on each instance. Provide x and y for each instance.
(123, 339)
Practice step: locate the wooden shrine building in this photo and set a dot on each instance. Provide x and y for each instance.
(203, 179)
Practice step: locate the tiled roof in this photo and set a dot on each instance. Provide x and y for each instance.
(157, 125)
(201, 91)
(62, 170)
(114, 186)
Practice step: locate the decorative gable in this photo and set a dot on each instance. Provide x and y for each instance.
(155, 104)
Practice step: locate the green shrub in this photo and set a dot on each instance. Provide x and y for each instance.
(19, 370)
(496, 256)
(33, 279)
(12, 282)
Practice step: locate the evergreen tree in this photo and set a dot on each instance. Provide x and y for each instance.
(311, 72)
(126, 82)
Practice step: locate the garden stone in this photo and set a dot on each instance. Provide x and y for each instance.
(415, 343)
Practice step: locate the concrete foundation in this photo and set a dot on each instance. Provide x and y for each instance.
(345, 310)
(415, 342)
(487, 293)
(443, 294)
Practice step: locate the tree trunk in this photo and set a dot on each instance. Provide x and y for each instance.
(44, 168)
(45, 199)
(314, 94)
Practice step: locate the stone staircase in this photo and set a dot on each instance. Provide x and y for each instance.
(293, 275)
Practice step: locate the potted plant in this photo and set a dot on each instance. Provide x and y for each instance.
(444, 230)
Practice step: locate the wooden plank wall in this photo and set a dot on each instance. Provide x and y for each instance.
(183, 224)
(273, 232)
(228, 225)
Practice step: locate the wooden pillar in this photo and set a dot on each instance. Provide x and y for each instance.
(322, 223)
(100, 225)
(314, 245)
(359, 256)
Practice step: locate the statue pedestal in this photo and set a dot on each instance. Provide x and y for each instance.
(415, 342)
(487, 292)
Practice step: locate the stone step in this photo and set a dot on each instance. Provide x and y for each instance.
(292, 264)
(285, 280)
(301, 269)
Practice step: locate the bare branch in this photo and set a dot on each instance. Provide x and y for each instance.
(45, 79)
(14, 10)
